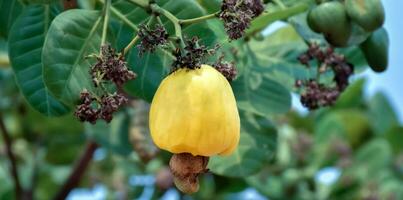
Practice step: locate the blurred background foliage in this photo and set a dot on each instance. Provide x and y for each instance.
(352, 150)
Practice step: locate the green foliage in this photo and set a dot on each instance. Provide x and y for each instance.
(73, 35)
(10, 9)
(26, 42)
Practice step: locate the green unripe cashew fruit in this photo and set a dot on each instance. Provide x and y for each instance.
(369, 14)
(376, 49)
(331, 19)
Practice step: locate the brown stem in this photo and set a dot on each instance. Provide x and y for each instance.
(69, 4)
(77, 172)
(11, 157)
(186, 169)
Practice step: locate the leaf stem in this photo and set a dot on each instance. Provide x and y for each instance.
(136, 38)
(198, 19)
(178, 29)
(77, 172)
(11, 157)
(106, 21)
(130, 45)
(142, 3)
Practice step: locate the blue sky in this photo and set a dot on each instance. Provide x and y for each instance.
(391, 81)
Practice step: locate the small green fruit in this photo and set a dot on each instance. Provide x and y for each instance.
(369, 14)
(331, 19)
(375, 50)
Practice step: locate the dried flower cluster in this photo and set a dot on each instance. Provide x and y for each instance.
(150, 39)
(316, 94)
(86, 111)
(193, 55)
(226, 68)
(238, 14)
(110, 67)
(92, 109)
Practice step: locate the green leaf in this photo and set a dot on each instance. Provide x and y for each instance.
(256, 147)
(10, 9)
(261, 95)
(87, 4)
(113, 136)
(382, 113)
(265, 65)
(266, 19)
(276, 57)
(210, 6)
(25, 48)
(72, 35)
(151, 68)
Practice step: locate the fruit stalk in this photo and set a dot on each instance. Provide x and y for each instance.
(186, 169)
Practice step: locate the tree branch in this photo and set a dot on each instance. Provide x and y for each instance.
(11, 157)
(77, 172)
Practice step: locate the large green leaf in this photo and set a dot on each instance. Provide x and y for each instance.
(261, 95)
(10, 9)
(25, 49)
(256, 147)
(72, 35)
(152, 67)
